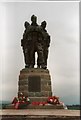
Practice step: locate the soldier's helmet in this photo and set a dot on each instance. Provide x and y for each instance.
(26, 24)
(33, 18)
(43, 24)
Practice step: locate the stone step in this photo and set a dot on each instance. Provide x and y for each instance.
(38, 99)
(40, 114)
(30, 106)
(22, 117)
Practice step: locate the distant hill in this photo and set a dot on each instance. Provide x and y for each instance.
(3, 103)
(74, 107)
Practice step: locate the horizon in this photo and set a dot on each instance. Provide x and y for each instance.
(8, 101)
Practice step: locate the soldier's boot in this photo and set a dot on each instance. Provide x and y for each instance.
(31, 66)
(43, 66)
(26, 66)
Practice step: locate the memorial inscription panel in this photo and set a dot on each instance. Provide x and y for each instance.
(34, 84)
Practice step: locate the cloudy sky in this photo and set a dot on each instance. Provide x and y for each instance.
(63, 62)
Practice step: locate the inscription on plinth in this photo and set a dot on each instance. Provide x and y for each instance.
(34, 84)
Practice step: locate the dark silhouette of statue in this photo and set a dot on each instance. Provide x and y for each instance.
(46, 44)
(35, 39)
(25, 45)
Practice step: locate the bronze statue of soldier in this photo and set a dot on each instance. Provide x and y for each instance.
(35, 39)
(25, 45)
(46, 44)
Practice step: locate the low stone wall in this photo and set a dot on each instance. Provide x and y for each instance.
(24, 117)
(40, 114)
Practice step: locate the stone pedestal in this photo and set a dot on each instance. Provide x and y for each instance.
(35, 83)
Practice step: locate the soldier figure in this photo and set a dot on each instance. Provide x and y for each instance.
(25, 45)
(37, 46)
(46, 44)
(35, 39)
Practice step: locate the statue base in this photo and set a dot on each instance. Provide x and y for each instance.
(34, 82)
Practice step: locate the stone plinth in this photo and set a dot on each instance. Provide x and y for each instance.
(35, 83)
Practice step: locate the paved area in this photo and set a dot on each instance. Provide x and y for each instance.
(40, 112)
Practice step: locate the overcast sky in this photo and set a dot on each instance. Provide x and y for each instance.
(63, 61)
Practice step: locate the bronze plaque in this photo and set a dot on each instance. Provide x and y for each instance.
(34, 84)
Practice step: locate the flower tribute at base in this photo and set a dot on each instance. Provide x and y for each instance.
(23, 101)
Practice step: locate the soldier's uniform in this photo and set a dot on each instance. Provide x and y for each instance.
(35, 44)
